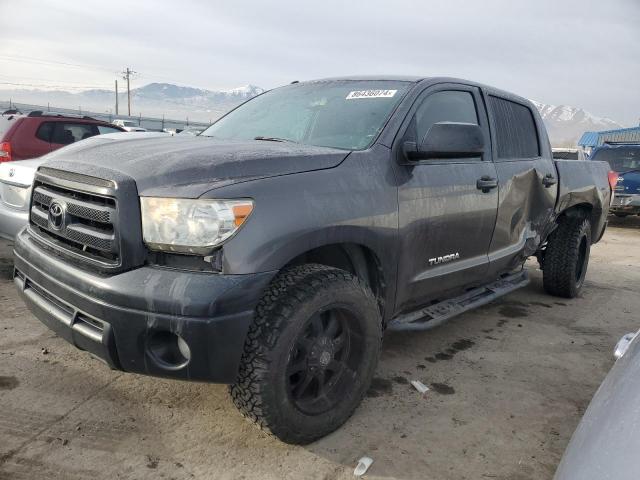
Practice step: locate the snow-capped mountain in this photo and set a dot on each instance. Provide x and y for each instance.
(168, 91)
(566, 124)
(154, 99)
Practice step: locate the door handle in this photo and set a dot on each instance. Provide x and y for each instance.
(486, 183)
(549, 180)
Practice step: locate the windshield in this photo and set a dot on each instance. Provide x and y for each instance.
(339, 114)
(621, 159)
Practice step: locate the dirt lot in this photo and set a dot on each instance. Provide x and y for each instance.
(509, 383)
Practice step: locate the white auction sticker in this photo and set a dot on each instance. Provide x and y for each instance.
(371, 94)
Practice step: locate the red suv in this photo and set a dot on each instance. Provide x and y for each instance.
(38, 133)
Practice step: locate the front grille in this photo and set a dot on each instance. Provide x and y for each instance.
(88, 225)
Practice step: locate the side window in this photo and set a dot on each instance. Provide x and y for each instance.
(103, 129)
(65, 133)
(515, 129)
(445, 106)
(44, 131)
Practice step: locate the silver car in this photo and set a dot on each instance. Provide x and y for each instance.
(606, 444)
(15, 192)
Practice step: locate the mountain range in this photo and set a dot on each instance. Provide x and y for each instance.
(152, 100)
(565, 124)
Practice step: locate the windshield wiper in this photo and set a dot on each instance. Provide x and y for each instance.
(273, 139)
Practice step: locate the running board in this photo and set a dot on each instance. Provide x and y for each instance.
(434, 315)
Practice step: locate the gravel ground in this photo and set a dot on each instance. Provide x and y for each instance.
(509, 382)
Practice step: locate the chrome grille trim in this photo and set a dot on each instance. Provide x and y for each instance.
(89, 229)
(76, 177)
(84, 210)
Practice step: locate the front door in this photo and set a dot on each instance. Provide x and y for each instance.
(445, 220)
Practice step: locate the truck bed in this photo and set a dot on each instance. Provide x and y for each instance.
(581, 182)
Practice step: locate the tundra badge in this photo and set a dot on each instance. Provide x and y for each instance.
(443, 259)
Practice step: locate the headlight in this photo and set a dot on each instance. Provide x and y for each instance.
(190, 226)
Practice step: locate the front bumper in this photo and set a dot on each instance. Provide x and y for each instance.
(118, 318)
(626, 203)
(12, 220)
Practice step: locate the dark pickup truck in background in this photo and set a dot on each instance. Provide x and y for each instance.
(624, 159)
(272, 251)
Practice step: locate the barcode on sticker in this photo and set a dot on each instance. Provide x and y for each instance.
(371, 94)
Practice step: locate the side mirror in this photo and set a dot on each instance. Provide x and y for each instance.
(447, 140)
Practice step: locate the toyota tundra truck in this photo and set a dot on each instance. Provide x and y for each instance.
(272, 251)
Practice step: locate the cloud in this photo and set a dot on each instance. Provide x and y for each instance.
(563, 52)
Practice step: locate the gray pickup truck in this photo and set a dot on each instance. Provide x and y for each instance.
(273, 250)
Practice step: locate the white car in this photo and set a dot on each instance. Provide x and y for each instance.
(15, 192)
(128, 125)
(15, 186)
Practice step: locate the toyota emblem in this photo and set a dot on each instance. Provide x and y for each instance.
(12, 172)
(56, 215)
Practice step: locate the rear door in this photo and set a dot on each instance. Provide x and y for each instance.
(445, 220)
(527, 180)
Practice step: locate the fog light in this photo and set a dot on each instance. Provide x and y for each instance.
(169, 350)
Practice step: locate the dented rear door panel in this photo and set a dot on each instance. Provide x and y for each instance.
(527, 192)
(525, 211)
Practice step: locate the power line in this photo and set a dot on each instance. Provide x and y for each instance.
(49, 85)
(18, 80)
(42, 61)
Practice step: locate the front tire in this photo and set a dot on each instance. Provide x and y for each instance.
(310, 353)
(566, 257)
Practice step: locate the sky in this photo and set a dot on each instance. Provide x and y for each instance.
(584, 53)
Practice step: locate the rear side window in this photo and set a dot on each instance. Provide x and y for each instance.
(44, 131)
(65, 133)
(515, 129)
(445, 106)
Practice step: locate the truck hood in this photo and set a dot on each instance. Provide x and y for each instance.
(187, 167)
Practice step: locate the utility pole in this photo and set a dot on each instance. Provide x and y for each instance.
(126, 75)
(116, 97)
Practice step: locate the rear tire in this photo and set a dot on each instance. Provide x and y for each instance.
(310, 353)
(621, 215)
(566, 257)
